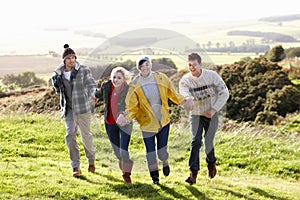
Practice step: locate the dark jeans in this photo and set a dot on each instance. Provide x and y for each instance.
(119, 139)
(198, 124)
(162, 146)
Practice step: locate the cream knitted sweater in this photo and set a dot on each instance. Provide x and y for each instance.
(208, 91)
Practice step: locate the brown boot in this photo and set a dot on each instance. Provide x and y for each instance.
(212, 171)
(92, 168)
(126, 169)
(126, 177)
(192, 178)
(76, 172)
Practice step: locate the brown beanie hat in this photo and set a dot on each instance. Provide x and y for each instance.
(68, 52)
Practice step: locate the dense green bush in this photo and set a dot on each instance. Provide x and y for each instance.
(22, 80)
(276, 54)
(283, 101)
(259, 91)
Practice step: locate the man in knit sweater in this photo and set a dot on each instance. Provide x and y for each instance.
(209, 94)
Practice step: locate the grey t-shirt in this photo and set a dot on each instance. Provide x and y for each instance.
(150, 89)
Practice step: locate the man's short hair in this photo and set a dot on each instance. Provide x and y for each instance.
(194, 56)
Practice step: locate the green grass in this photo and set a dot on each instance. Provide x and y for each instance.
(253, 163)
(296, 82)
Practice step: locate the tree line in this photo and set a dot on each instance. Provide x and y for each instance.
(267, 37)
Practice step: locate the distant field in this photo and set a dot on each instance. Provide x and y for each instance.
(40, 64)
(44, 65)
(218, 32)
(18, 64)
(201, 35)
(214, 33)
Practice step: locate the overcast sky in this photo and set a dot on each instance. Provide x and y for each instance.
(21, 19)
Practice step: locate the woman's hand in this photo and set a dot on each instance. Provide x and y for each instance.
(122, 121)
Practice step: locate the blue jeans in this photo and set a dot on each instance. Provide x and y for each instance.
(119, 138)
(162, 146)
(198, 124)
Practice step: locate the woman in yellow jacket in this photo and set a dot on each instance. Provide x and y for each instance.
(147, 102)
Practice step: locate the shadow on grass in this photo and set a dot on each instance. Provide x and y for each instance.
(111, 178)
(137, 190)
(197, 193)
(265, 194)
(83, 177)
(141, 190)
(149, 191)
(108, 177)
(172, 192)
(239, 195)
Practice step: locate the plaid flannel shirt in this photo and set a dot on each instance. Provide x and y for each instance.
(83, 87)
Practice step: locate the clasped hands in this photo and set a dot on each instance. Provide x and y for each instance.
(122, 121)
(188, 104)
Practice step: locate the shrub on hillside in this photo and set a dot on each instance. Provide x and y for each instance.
(276, 54)
(283, 101)
(23, 80)
(254, 86)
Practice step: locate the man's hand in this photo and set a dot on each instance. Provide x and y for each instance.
(188, 105)
(93, 98)
(210, 113)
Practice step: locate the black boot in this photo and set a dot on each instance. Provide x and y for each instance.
(166, 168)
(155, 177)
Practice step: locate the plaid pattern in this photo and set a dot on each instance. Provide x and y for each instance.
(83, 86)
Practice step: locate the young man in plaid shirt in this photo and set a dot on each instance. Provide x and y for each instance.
(76, 86)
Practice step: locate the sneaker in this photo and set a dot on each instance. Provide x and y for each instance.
(76, 172)
(166, 170)
(126, 177)
(212, 171)
(91, 168)
(192, 178)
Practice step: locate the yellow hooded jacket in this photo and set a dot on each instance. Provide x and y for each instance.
(138, 107)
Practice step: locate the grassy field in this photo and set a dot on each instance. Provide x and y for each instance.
(254, 162)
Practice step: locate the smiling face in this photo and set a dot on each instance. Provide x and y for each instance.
(118, 79)
(70, 63)
(145, 69)
(194, 68)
